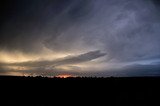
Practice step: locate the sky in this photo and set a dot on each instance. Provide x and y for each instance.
(80, 38)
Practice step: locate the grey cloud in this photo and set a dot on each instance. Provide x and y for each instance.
(141, 70)
(127, 30)
(133, 33)
(82, 58)
(134, 70)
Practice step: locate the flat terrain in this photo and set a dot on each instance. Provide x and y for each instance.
(47, 91)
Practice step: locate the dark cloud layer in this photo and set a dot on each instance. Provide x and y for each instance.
(127, 30)
(27, 24)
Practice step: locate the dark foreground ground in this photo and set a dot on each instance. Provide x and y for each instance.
(39, 91)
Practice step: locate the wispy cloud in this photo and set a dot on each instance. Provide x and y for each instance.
(62, 61)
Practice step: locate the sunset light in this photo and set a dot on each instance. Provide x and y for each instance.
(64, 76)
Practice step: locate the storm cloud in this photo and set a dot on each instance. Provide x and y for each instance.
(127, 30)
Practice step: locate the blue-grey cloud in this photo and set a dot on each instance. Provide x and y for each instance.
(134, 70)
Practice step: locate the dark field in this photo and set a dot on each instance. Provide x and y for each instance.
(40, 91)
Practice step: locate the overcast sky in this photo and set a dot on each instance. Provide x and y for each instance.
(80, 37)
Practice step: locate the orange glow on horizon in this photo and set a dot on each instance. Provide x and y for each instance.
(64, 76)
